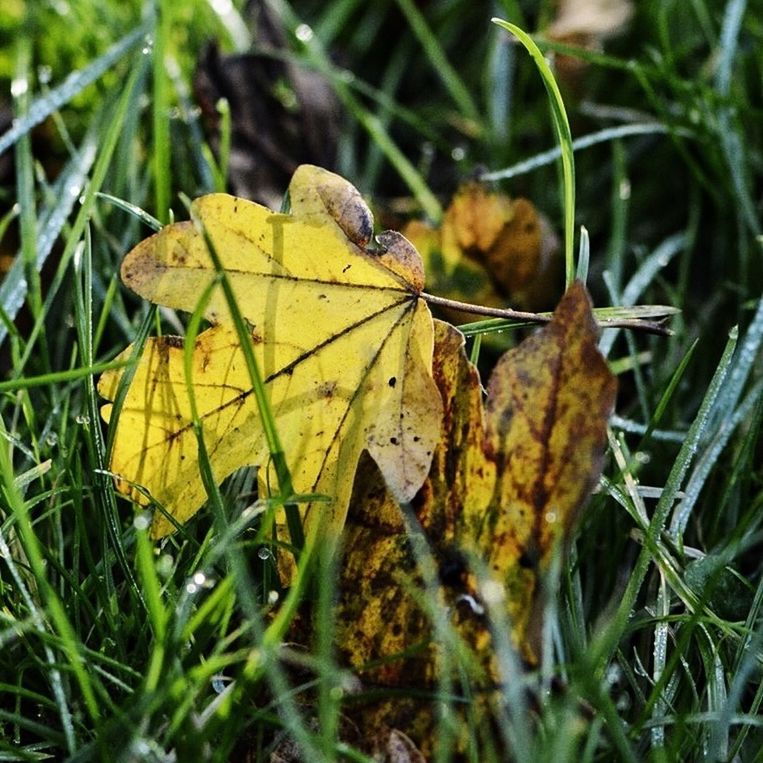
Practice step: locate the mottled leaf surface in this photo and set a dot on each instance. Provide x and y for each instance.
(340, 334)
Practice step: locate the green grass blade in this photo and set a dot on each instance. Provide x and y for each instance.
(440, 64)
(41, 108)
(562, 127)
(586, 141)
(696, 432)
(160, 110)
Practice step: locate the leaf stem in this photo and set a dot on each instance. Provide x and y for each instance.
(636, 324)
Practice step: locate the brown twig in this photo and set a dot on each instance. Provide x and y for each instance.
(635, 324)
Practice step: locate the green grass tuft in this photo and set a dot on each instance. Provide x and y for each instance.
(112, 647)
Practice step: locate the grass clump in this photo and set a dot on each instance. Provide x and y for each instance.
(114, 648)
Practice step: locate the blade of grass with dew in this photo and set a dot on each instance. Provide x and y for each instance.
(709, 458)
(25, 187)
(584, 255)
(66, 189)
(133, 209)
(659, 655)
(160, 107)
(283, 475)
(55, 610)
(562, 127)
(41, 108)
(586, 141)
(729, 130)
(83, 318)
(603, 650)
(439, 61)
(646, 273)
(724, 415)
(102, 164)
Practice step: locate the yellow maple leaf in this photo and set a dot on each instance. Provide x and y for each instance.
(340, 335)
(506, 484)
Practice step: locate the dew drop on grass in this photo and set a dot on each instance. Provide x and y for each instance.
(272, 597)
(83, 419)
(218, 683)
(264, 553)
(164, 566)
(492, 592)
(303, 33)
(191, 587)
(199, 578)
(51, 439)
(142, 521)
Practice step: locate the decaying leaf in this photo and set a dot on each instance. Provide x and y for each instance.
(490, 249)
(505, 486)
(341, 337)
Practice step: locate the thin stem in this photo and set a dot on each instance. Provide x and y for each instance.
(636, 324)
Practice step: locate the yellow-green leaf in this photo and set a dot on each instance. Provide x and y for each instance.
(340, 334)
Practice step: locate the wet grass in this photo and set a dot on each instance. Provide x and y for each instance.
(114, 648)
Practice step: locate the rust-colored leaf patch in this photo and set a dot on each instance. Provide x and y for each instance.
(490, 249)
(506, 484)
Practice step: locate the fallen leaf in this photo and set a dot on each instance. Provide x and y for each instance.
(490, 249)
(506, 484)
(341, 337)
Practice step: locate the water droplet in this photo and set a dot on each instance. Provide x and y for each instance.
(625, 189)
(264, 553)
(641, 457)
(550, 517)
(19, 86)
(191, 588)
(44, 74)
(492, 592)
(218, 683)
(164, 566)
(83, 419)
(51, 439)
(458, 154)
(272, 597)
(303, 33)
(142, 521)
(200, 578)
